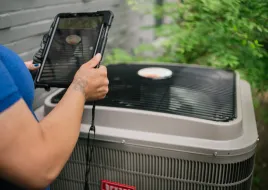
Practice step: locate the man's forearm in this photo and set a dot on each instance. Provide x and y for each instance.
(62, 126)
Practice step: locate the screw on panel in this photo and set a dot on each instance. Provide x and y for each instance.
(123, 141)
(215, 153)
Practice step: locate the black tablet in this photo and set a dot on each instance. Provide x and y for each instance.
(74, 38)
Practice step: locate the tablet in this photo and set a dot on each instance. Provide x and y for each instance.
(74, 38)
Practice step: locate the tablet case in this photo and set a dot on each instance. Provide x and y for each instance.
(39, 56)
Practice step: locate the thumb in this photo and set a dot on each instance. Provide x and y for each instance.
(94, 61)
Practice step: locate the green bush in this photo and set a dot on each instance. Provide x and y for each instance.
(229, 34)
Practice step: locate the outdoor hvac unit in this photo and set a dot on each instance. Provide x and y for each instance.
(193, 131)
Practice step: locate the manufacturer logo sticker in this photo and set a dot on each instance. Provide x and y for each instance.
(107, 185)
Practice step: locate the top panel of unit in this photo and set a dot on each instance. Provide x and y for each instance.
(202, 93)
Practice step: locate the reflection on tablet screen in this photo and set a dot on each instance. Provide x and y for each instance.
(73, 44)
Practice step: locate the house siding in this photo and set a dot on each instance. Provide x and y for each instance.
(24, 22)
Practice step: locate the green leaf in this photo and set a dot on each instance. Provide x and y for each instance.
(229, 34)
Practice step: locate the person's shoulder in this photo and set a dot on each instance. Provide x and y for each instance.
(6, 51)
(10, 58)
(9, 93)
(4, 48)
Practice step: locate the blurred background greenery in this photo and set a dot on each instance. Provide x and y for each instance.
(229, 34)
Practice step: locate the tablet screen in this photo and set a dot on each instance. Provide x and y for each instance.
(72, 45)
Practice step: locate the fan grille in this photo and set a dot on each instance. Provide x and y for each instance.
(151, 172)
(194, 92)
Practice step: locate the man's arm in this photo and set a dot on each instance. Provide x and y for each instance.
(32, 154)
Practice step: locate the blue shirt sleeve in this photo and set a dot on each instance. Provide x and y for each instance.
(9, 93)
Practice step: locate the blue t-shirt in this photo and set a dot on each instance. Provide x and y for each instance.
(15, 83)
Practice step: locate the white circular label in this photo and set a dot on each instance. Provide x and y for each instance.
(73, 39)
(155, 73)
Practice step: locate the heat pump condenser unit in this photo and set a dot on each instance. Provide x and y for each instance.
(195, 130)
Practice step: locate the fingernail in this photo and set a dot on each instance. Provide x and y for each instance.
(37, 65)
(98, 55)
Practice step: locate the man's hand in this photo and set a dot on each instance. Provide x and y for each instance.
(31, 66)
(92, 82)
